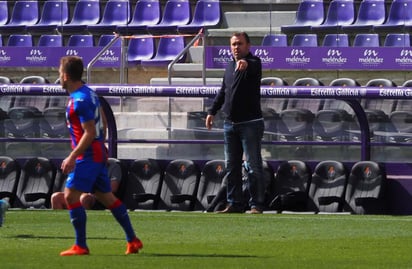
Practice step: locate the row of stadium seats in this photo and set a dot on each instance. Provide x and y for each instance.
(342, 16)
(117, 16)
(334, 120)
(338, 40)
(142, 49)
(183, 185)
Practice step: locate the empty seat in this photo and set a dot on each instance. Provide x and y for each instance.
(273, 81)
(18, 40)
(370, 13)
(24, 13)
(340, 12)
(146, 12)
(34, 79)
(275, 40)
(53, 123)
(366, 40)
(327, 188)
(292, 181)
(105, 39)
(175, 13)
(80, 41)
(4, 13)
(6, 80)
(366, 189)
(167, 50)
(397, 40)
(180, 185)
(206, 14)
(378, 110)
(143, 185)
(50, 41)
(36, 183)
(210, 182)
(54, 13)
(116, 12)
(140, 48)
(336, 117)
(335, 40)
(85, 13)
(305, 40)
(9, 178)
(296, 120)
(308, 14)
(399, 17)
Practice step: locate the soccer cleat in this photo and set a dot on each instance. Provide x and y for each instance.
(75, 250)
(134, 246)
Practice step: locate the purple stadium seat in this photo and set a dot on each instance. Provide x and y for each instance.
(167, 50)
(371, 13)
(116, 12)
(366, 40)
(309, 13)
(340, 12)
(105, 39)
(397, 40)
(20, 40)
(140, 48)
(176, 13)
(146, 13)
(80, 41)
(399, 17)
(86, 12)
(206, 14)
(335, 40)
(275, 40)
(50, 41)
(305, 40)
(24, 13)
(54, 13)
(4, 13)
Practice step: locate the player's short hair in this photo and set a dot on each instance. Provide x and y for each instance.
(73, 67)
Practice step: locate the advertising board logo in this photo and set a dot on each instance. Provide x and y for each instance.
(264, 56)
(370, 53)
(4, 58)
(297, 52)
(405, 58)
(334, 52)
(298, 58)
(72, 52)
(334, 57)
(36, 57)
(370, 58)
(109, 57)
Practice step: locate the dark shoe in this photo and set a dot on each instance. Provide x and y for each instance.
(231, 209)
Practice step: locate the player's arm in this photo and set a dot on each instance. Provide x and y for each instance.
(85, 141)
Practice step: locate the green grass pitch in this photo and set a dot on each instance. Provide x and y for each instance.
(34, 239)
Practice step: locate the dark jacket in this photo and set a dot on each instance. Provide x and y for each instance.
(239, 96)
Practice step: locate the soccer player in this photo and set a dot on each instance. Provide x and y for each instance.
(86, 164)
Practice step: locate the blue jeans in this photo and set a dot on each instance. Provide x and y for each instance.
(244, 139)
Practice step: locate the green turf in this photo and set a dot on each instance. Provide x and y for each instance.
(33, 239)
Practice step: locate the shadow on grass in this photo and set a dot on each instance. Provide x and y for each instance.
(197, 255)
(28, 236)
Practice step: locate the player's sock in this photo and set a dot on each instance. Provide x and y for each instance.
(78, 219)
(119, 211)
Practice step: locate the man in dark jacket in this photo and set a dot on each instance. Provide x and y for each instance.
(239, 101)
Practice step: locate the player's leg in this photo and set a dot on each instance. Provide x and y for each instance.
(88, 200)
(58, 201)
(78, 219)
(119, 211)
